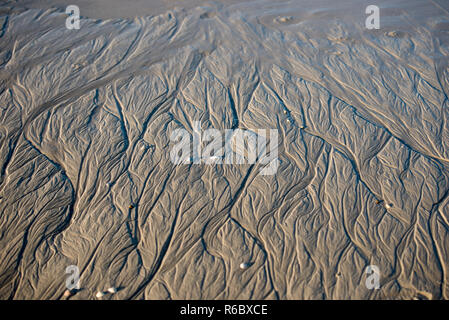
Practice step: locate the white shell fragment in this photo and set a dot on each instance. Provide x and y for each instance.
(112, 290)
(212, 159)
(388, 205)
(244, 265)
(99, 294)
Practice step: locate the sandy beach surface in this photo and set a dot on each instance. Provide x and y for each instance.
(87, 177)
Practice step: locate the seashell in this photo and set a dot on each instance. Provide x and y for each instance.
(99, 294)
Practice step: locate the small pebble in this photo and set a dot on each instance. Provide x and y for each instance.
(112, 290)
(389, 205)
(67, 293)
(284, 19)
(99, 294)
(395, 34)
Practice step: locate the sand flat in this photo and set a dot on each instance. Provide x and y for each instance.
(86, 177)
